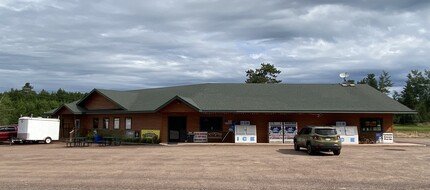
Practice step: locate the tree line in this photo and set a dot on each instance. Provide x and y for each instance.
(26, 102)
(415, 93)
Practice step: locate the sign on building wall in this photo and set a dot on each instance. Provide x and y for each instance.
(245, 122)
(201, 136)
(149, 134)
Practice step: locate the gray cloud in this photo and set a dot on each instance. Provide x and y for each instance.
(80, 45)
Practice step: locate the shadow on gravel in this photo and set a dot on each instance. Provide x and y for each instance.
(303, 152)
(20, 144)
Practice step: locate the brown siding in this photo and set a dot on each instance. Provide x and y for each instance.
(159, 121)
(177, 107)
(63, 111)
(261, 121)
(67, 124)
(98, 102)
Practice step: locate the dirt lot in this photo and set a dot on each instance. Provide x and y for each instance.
(55, 166)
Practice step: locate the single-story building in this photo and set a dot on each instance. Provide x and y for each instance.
(215, 108)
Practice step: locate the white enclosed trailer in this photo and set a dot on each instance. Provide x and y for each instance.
(38, 129)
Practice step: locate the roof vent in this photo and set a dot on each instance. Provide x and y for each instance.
(347, 84)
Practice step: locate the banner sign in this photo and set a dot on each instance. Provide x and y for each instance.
(200, 137)
(388, 138)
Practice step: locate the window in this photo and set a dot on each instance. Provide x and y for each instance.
(95, 123)
(326, 131)
(128, 123)
(106, 123)
(211, 124)
(116, 123)
(77, 123)
(371, 124)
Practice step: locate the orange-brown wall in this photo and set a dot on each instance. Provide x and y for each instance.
(98, 102)
(177, 107)
(159, 121)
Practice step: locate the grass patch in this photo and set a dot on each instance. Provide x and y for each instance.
(419, 127)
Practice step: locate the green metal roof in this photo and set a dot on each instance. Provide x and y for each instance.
(276, 98)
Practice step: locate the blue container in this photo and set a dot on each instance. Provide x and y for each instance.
(97, 139)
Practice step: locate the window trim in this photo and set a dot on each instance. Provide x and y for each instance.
(128, 127)
(116, 123)
(106, 123)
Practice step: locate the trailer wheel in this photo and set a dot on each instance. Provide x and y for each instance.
(48, 140)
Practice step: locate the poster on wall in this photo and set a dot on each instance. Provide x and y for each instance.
(290, 130)
(275, 132)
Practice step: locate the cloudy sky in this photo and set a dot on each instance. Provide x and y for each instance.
(79, 45)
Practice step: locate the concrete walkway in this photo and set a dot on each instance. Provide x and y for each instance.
(395, 144)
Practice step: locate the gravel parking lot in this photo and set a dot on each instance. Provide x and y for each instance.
(55, 166)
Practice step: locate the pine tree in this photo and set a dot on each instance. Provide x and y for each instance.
(266, 74)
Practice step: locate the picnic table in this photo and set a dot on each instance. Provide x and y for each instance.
(79, 142)
(111, 141)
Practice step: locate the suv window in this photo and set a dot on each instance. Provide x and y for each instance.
(307, 131)
(326, 131)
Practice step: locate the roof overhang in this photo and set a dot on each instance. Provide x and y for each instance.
(306, 111)
(187, 101)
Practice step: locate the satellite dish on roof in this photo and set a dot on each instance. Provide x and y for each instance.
(345, 82)
(344, 75)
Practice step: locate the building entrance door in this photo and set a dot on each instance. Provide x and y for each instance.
(177, 128)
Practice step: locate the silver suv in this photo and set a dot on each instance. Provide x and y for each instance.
(316, 139)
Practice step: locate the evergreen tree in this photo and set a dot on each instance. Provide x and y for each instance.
(266, 74)
(415, 95)
(26, 102)
(382, 84)
(370, 80)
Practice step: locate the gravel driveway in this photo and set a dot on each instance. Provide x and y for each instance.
(55, 166)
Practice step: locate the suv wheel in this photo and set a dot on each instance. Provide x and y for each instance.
(336, 152)
(310, 149)
(296, 146)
